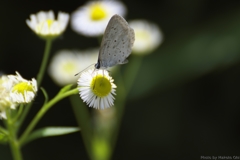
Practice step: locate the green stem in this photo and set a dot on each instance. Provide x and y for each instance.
(14, 144)
(15, 148)
(83, 119)
(23, 115)
(19, 112)
(132, 72)
(120, 106)
(124, 86)
(43, 110)
(39, 79)
(44, 61)
(4, 131)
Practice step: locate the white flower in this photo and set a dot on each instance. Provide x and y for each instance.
(5, 100)
(148, 36)
(22, 90)
(65, 64)
(92, 18)
(96, 88)
(14, 90)
(3, 115)
(45, 25)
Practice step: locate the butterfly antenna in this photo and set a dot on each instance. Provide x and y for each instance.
(84, 69)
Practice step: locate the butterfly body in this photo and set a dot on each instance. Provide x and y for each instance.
(116, 44)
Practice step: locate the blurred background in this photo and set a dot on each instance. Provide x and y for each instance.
(185, 101)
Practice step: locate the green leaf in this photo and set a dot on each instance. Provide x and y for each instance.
(3, 130)
(3, 138)
(45, 95)
(82, 116)
(50, 131)
(65, 88)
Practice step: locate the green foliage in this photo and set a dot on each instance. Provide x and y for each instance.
(50, 131)
(45, 95)
(3, 138)
(65, 89)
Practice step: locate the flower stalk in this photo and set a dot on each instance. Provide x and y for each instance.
(39, 79)
(44, 61)
(43, 110)
(14, 143)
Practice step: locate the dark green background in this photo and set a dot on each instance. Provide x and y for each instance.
(185, 101)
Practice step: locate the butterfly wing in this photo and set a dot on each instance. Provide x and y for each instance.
(117, 42)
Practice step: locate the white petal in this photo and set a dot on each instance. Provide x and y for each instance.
(45, 29)
(63, 20)
(30, 24)
(41, 16)
(50, 15)
(55, 28)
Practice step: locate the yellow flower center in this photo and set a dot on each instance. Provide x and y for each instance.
(97, 12)
(142, 34)
(23, 86)
(40, 26)
(49, 22)
(69, 67)
(101, 86)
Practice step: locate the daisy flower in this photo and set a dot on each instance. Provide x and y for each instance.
(148, 36)
(92, 18)
(45, 25)
(22, 90)
(66, 63)
(5, 100)
(96, 88)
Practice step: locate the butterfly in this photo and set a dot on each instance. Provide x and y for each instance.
(116, 44)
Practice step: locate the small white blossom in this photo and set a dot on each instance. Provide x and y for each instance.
(22, 90)
(45, 25)
(92, 18)
(66, 63)
(96, 88)
(148, 36)
(5, 100)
